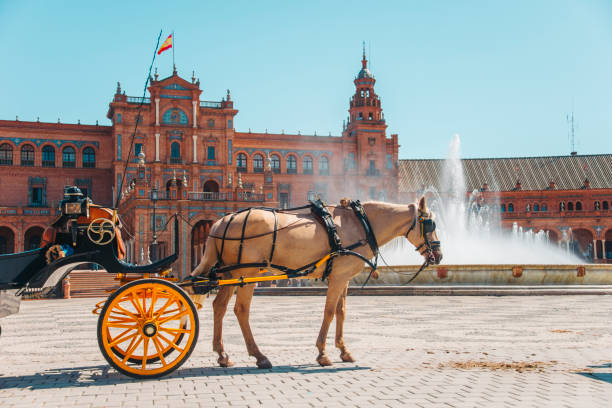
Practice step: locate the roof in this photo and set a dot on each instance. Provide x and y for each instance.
(365, 73)
(502, 174)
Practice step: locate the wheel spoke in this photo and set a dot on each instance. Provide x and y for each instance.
(137, 304)
(159, 349)
(153, 301)
(175, 331)
(122, 325)
(173, 317)
(118, 319)
(144, 353)
(126, 312)
(168, 303)
(131, 350)
(170, 342)
(122, 340)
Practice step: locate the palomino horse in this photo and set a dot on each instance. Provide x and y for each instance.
(301, 239)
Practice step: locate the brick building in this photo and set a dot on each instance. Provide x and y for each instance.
(188, 153)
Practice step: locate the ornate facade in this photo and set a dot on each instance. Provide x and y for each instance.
(187, 154)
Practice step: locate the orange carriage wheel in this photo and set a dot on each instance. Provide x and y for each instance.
(147, 328)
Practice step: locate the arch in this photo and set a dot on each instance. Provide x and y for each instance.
(199, 234)
(307, 164)
(174, 116)
(582, 242)
(48, 156)
(323, 165)
(32, 238)
(510, 207)
(6, 154)
(544, 207)
(291, 164)
(68, 157)
(608, 243)
(27, 155)
(502, 207)
(578, 206)
(241, 162)
(175, 152)
(211, 186)
(562, 206)
(258, 163)
(275, 162)
(536, 207)
(597, 205)
(89, 157)
(7, 240)
(570, 206)
(605, 205)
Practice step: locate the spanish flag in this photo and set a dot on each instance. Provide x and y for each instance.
(166, 45)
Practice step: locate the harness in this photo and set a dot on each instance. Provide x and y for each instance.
(322, 215)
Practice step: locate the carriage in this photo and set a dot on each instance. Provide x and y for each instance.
(149, 326)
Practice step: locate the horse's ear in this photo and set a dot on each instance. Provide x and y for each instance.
(423, 205)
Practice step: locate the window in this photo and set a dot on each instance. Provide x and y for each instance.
(275, 163)
(118, 118)
(175, 152)
(48, 156)
(68, 157)
(307, 164)
(89, 157)
(6, 154)
(137, 149)
(372, 170)
(211, 153)
(36, 196)
(241, 162)
(373, 192)
(536, 207)
(349, 162)
(544, 207)
(284, 200)
(258, 163)
(360, 117)
(389, 161)
(570, 206)
(597, 206)
(174, 116)
(229, 123)
(361, 93)
(368, 93)
(502, 208)
(37, 191)
(211, 123)
(311, 196)
(561, 206)
(605, 205)
(528, 208)
(510, 207)
(27, 155)
(118, 147)
(578, 206)
(323, 165)
(291, 164)
(370, 117)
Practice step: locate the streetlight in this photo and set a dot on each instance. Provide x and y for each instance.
(153, 246)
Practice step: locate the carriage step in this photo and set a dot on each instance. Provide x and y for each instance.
(91, 283)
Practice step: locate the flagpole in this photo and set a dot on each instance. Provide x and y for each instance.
(173, 45)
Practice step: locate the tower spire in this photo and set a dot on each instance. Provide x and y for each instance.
(364, 61)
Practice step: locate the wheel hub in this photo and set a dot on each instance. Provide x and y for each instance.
(149, 329)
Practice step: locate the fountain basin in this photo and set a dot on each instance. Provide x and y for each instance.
(491, 275)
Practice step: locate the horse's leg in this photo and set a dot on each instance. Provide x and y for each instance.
(345, 354)
(334, 291)
(219, 307)
(242, 309)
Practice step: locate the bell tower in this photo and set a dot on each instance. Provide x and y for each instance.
(365, 104)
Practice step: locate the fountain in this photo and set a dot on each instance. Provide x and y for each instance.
(477, 251)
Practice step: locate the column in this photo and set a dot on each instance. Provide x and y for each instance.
(595, 249)
(156, 111)
(195, 148)
(603, 248)
(157, 147)
(195, 111)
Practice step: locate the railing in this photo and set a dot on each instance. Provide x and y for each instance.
(210, 104)
(247, 196)
(307, 171)
(258, 170)
(27, 163)
(138, 99)
(176, 160)
(372, 172)
(6, 162)
(48, 163)
(69, 164)
(207, 196)
(291, 171)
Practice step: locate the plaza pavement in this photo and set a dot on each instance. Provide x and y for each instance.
(430, 351)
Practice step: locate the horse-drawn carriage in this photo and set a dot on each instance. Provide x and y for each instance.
(149, 326)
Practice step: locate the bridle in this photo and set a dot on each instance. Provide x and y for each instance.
(426, 226)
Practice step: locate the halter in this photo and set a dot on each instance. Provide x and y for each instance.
(426, 249)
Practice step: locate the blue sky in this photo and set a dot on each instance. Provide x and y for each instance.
(503, 75)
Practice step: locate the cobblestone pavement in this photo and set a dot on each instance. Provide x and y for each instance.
(475, 351)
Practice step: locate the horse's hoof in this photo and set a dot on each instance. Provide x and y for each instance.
(264, 363)
(324, 361)
(225, 361)
(347, 357)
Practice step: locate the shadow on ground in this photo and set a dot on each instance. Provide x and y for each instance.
(605, 377)
(105, 375)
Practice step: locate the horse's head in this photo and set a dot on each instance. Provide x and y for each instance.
(422, 234)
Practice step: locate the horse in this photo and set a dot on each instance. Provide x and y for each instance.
(302, 239)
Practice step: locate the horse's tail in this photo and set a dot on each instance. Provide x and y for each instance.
(211, 256)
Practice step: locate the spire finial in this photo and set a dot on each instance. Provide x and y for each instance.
(174, 70)
(118, 88)
(193, 77)
(156, 74)
(364, 61)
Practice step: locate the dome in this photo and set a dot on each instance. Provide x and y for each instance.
(365, 73)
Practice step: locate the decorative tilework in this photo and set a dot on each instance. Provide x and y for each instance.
(175, 96)
(57, 142)
(284, 152)
(175, 86)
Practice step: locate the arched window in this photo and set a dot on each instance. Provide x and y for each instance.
(323, 165)
(562, 206)
(502, 208)
(241, 162)
(597, 206)
(528, 207)
(48, 156)
(291, 164)
(27, 155)
(578, 206)
(536, 207)
(570, 206)
(275, 163)
(174, 116)
(175, 152)
(605, 205)
(258, 163)
(6, 154)
(89, 157)
(544, 207)
(307, 164)
(68, 157)
(510, 207)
